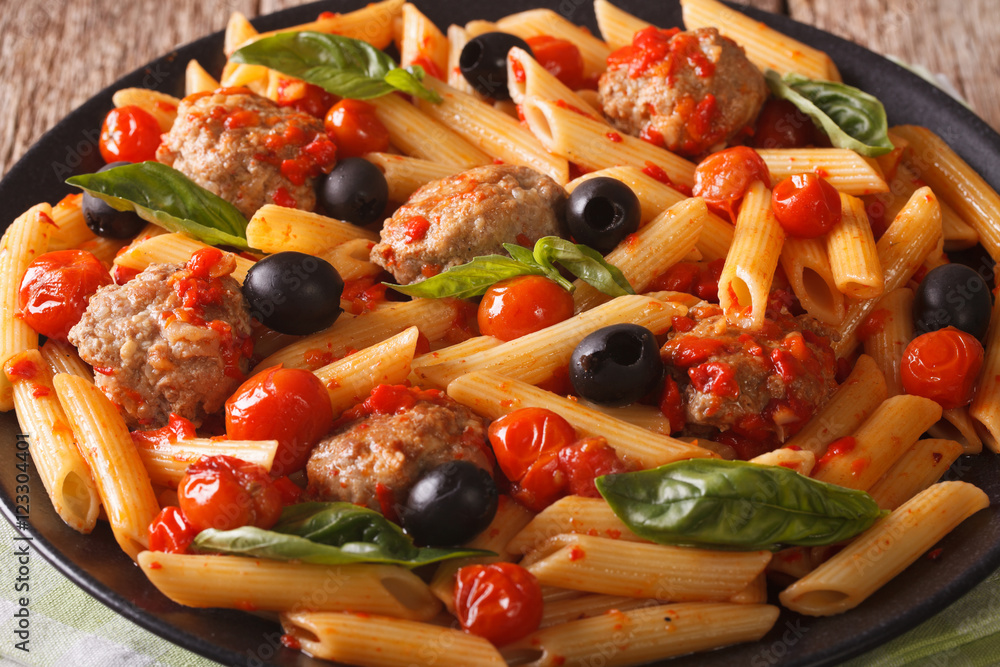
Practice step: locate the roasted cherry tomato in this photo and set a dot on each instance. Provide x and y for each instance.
(561, 58)
(723, 178)
(586, 460)
(129, 134)
(806, 205)
(304, 97)
(224, 493)
(354, 127)
(56, 288)
(942, 365)
(542, 484)
(521, 437)
(501, 602)
(522, 305)
(170, 531)
(781, 125)
(289, 405)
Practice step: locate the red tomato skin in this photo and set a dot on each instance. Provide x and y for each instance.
(519, 306)
(129, 133)
(289, 405)
(501, 602)
(943, 366)
(224, 493)
(559, 57)
(723, 178)
(586, 460)
(171, 532)
(781, 125)
(543, 483)
(806, 205)
(355, 128)
(521, 437)
(56, 288)
(304, 97)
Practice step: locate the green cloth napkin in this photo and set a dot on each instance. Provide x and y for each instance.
(70, 628)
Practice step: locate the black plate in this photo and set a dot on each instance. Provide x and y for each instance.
(96, 564)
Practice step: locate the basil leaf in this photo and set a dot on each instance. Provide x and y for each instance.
(340, 65)
(522, 254)
(852, 118)
(168, 198)
(583, 262)
(525, 256)
(469, 280)
(736, 505)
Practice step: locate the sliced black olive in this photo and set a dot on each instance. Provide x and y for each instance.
(616, 365)
(106, 221)
(294, 293)
(483, 62)
(601, 212)
(952, 295)
(450, 505)
(355, 191)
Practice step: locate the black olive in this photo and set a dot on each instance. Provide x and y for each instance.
(601, 212)
(294, 293)
(952, 295)
(616, 365)
(355, 191)
(104, 220)
(450, 505)
(483, 62)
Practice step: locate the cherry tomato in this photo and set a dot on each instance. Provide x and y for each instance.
(501, 602)
(354, 127)
(942, 365)
(561, 58)
(129, 134)
(543, 483)
(56, 289)
(781, 125)
(521, 437)
(304, 97)
(806, 205)
(223, 492)
(171, 532)
(723, 178)
(586, 460)
(289, 405)
(518, 306)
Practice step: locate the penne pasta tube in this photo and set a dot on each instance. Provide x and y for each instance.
(455, 352)
(197, 80)
(957, 424)
(174, 248)
(167, 463)
(352, 259)
(535, 22)
(277, 228)
(853, 256)
(811, 276)
(238, 31)
(616, 25)
(884, 550)
(458, 37)
(754, 593)
(71, 227)
(159, 105)
(104, 441)
(527, 78)
(888, 330)
(372, 23)
(844, 169)
(61, 357)
(422, 43)
(586, 606)
(923, 464)
(269, 585)
(492, 396)
(985, 407)
(801, 461)
(571, 514)
(646, 416)
(405, 175)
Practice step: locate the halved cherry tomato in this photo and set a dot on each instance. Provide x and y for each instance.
(723, 178)
(561, 58)
(781, 125)
(501, 602)
(354, 127)
(518, 306)
(942, 365)
(519, 438)
(543, 483)
(586, 460)
(289, 405)
(806, 205)
(129, 133)
(171, 532)
(224, 492)
(56, 289)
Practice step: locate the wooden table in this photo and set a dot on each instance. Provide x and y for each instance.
(55, 55)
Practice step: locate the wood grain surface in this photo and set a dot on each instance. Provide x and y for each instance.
(56, 54)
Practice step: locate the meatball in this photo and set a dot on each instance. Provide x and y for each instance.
(454, 220)
(756, 383)
(690, 92)
(388, 442)
(248, 150)
(172, 339)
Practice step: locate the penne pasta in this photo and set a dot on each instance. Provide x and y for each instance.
(61, 357)
(197, 80)
(526, 78)
(167, 463)
(920, 466)
(405, 175)
(159, 105)
(174, 248)
(535, 22)
(422, 43)
(811, 276)
(277, 228)
(888, 330)
(572, 514)
(616, 25)
(372, 23)
(985, 407)
(854, 263)
(844, 169)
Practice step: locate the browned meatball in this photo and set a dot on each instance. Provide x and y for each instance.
(167, 341)
(454, 220)
(248, 150)
(691, 96)
(377, 456)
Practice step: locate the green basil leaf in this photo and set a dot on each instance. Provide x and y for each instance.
(736, 505)
(525, 256)
(166, 197)
(583, 262)
(852, 118)
(340, 65)
(468, 280)
(522, 254)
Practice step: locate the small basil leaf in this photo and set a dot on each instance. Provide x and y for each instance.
(525, 256)
(852, 118)
(736, 505)
(337, 524)
(583, 262)
(166, 197)
(408, 81)
(468, 280)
